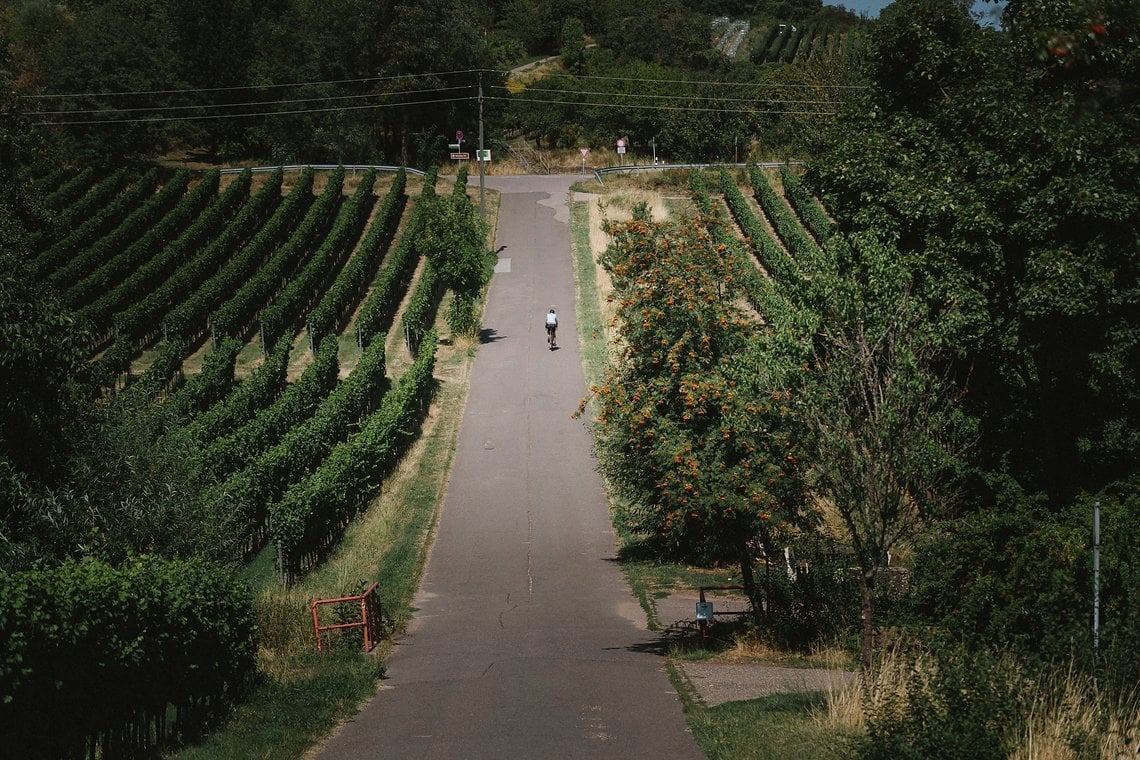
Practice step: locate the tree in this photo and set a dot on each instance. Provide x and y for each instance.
(706, 469)
(671, 35)
(454, 240)
(41, 348)
(1010, 189)
(573, 50)
(111, 48)
(878, 417)
(1006, 185)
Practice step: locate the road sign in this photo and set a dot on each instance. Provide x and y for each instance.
(484, 155)
(459, 135)
(621, 146)
(461, 156)
(583, 152)
(455, 147)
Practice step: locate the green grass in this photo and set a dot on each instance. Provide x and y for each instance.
(656, 580)
(287, 709)
(778, 727)
(591, 330)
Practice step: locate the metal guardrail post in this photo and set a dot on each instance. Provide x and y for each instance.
(317, 167)
(657, 167)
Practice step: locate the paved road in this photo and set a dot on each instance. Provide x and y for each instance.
(527, 642)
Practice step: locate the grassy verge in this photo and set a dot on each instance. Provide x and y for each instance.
(591, 329)
(294, 702)
(778, 727)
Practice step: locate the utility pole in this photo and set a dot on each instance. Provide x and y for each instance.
(482, 206)
(1096, 575)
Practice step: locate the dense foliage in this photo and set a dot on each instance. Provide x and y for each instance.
(351, 81)
(1003, 169)
(102, 655)
(707, 466)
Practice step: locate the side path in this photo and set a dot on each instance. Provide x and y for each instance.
(527, 642)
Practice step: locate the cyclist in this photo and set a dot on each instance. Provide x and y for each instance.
(552, 328)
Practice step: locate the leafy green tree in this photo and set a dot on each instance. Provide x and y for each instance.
(573, 49)
(672, 35)
(454, 240)
(1006, 182)
(42, 363)
(120, 46)
(919, 49)
(212, 40)
(433, 36)
(41, 348)
(877, 417)
(532, 22)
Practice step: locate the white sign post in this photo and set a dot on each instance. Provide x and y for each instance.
(583, 152)
(621, 150)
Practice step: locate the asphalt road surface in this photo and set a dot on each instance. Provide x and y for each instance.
(527, 642)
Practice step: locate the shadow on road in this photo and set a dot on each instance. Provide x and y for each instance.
(490, 335)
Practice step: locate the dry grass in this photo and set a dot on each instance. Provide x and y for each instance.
(829, 657)
(1065, 709)
(1070, 705)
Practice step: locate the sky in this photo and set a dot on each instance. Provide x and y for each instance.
(871, 8)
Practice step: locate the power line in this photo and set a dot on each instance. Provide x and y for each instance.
(667, 97)
(294, 112)
(520, 97)
(292, 101)
(360, 80)
(664, 108)
(183, 91)
(171, 119)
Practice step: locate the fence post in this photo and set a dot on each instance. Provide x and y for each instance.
(281, 564)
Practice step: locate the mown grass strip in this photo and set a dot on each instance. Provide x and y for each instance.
(777, 727)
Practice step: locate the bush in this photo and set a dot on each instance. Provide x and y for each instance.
(947, 700)
(1020, 576)
(92, 655)
(821, 605)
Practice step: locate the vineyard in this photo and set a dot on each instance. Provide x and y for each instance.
(248, 280)
(801, 43)
(250, 313)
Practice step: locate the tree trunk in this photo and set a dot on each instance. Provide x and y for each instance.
(867, 650)
(749, 582)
